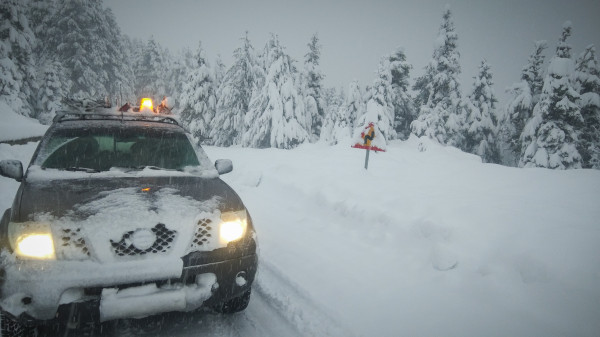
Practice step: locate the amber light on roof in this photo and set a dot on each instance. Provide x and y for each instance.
(146, 104)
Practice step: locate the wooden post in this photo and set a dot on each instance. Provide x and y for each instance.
(367, 160)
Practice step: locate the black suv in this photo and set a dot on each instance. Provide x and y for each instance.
(120, 216)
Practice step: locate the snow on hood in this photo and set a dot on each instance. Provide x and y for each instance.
(112, 213)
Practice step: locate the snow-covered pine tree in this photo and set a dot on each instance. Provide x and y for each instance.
(50, 93)
(380, 107)
(481, 119)
(336, 124)
(313, 81)
(442, 115)
(181, 66)
(198, 100)
(525, 95)
(115, 63)
(549, 138)
(587, 83)
(354, 103)
(219, 71)
(17, 71)
(234, 95)
(150, 72)
(39, 12)
(276, 116)
(77, 38)
(404, 112)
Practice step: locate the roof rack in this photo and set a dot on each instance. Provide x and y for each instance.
(109, 114)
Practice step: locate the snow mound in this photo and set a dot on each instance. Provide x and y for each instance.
(16, 127)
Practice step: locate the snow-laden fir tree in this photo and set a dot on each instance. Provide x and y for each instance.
(39, 12)
(380, 107)
(50, 92)
(550, 137)
(336, 124)
(17, 71)
(219, 71)
(181, 66)
(587, 83)
(404, 112)
(442, 115)
(525, 95)
(314, 90)
(234, 95)
(198, 100)
(150, 72)
(354, 103)
(115, 62)
(76, 38)
(482, 121)
(276, 116)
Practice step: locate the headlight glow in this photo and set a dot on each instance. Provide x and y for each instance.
(37, 246)
(233, 226)
(32, 240)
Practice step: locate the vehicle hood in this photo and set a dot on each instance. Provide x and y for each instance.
(81, 198)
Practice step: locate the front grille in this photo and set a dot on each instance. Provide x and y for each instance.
(163, 243)
(203, 235)
(73, 246)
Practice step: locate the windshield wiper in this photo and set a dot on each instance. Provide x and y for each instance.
(81, 169)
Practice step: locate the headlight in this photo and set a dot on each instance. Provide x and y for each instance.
(233, 226)
(32, 240)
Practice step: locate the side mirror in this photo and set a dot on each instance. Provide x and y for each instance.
(11, 169)
(223, 166)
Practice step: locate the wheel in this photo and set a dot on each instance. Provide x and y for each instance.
(234, 305)
(11, 328)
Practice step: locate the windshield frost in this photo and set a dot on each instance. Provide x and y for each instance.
(102, 148)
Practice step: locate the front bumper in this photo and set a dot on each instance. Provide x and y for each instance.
(37, 290)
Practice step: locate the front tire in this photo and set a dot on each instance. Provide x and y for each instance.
(236, 304)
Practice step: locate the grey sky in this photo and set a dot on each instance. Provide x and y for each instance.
(356, 34)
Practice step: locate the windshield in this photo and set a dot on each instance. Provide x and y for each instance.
(102, 148)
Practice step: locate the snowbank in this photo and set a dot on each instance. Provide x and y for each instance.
(15, 126)
(428, 242)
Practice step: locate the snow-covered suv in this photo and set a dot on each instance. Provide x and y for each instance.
(120, 216)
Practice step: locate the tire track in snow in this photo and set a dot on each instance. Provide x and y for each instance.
(294, 305)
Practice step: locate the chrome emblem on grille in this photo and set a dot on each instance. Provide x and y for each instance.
(143, 238)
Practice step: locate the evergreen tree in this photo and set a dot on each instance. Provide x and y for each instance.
(219, 70)
(150, 72)
(314, 77)
(276, 116)
(587, 83)
(481, 119)
(354, 103)
(526, 94)
(50, 93)
(442, 116)
(77, 39)
(403, 104)
(17, 72)
(549, 138)
(234, 96)
(180, 68)
(198, 100)
(115, 62)
(380, 107)
(336, 124)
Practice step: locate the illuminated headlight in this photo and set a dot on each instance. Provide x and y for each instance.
(233, 226)
(32, 240)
